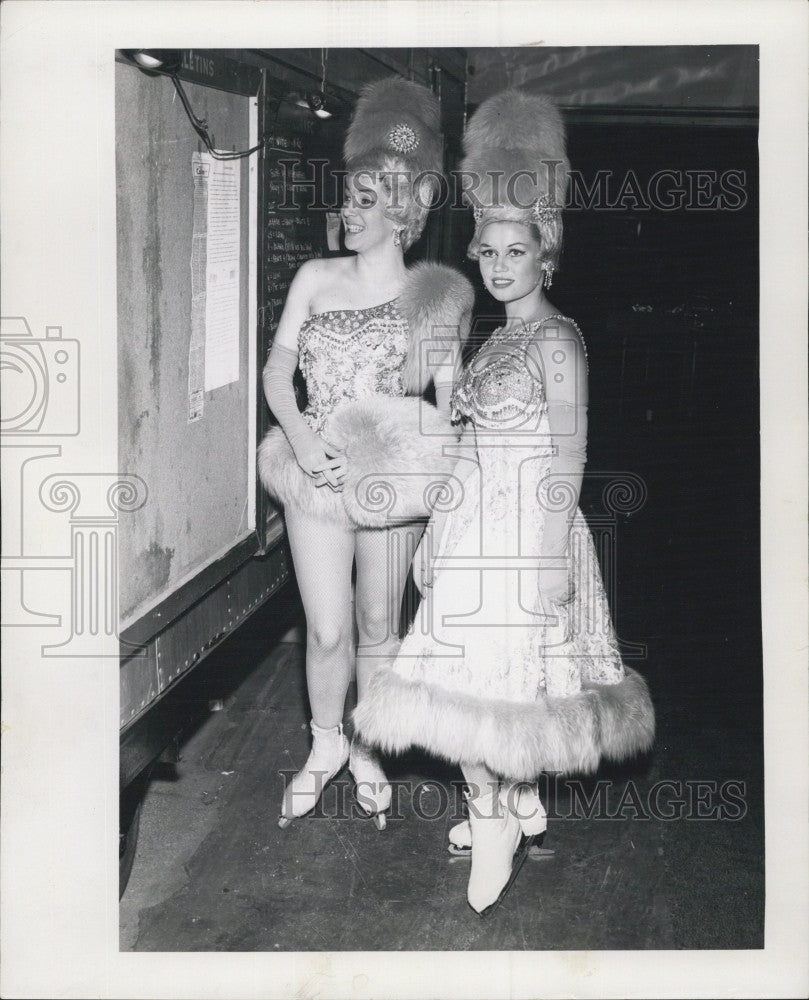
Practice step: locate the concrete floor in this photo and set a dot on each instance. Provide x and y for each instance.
(214, 872)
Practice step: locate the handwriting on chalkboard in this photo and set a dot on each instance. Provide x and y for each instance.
(292, 229)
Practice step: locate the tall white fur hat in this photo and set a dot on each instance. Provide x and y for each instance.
(396, 122)
(396, 132)
(515, 165)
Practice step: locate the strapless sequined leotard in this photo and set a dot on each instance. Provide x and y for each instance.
(349, 354)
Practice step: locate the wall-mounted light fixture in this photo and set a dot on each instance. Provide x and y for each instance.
(315, 101)
(168, 62)
(155, 60)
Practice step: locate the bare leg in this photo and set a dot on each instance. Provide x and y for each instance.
(383, 560)
(323, 555)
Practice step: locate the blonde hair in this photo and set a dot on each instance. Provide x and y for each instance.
(396, 130)
(548, 234)
(411, 195)
(517, 139)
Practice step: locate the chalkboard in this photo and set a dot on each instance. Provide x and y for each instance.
(301, 183)
(199, 474)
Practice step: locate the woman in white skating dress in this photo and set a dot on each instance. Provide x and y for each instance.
(512, 667)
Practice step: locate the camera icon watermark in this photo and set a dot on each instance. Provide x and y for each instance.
(40, 381)
(40, 400)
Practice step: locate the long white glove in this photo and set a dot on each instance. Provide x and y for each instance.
(424, 556)
(566, 472)
(318, 458)
(564, 372)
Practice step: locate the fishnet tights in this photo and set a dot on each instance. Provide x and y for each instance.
(323, 555)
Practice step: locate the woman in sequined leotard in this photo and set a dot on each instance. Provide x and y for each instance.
(345, 324)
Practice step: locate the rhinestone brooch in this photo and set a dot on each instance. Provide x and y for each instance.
(544, 211)
(402, 138)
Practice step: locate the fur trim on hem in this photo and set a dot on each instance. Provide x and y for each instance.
(515, 740)
(397, 467)
(436, 302)
(286, 482)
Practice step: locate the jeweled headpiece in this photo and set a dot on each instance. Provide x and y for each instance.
(402, 138)
(396, 120)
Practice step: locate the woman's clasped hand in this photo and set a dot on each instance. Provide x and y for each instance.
(321, 460)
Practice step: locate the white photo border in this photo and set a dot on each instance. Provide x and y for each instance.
(60, 720)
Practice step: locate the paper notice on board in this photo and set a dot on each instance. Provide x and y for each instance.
(222, 274)
(215, 263)
(200, 170)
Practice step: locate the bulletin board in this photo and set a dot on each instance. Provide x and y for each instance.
(293, 229)
(192, 444)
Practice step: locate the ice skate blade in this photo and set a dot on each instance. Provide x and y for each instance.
(534, 854)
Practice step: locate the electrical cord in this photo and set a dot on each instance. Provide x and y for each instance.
(200, 126)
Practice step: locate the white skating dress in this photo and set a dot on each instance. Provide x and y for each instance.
(487, 673)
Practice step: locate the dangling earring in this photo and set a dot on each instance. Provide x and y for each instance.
(547, 270)
(397, 237)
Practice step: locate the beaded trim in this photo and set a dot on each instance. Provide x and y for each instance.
(502, 334)
(498, 336)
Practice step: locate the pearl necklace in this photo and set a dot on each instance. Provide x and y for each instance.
(504, 333)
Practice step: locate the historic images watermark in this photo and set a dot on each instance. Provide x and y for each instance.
(313, 185)
(564, 798)
(41, 381)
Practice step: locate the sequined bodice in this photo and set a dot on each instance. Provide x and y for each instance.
(502, 384)
(349, 354)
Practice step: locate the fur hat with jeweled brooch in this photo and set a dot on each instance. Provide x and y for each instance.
(395, 133)
(396, 126)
